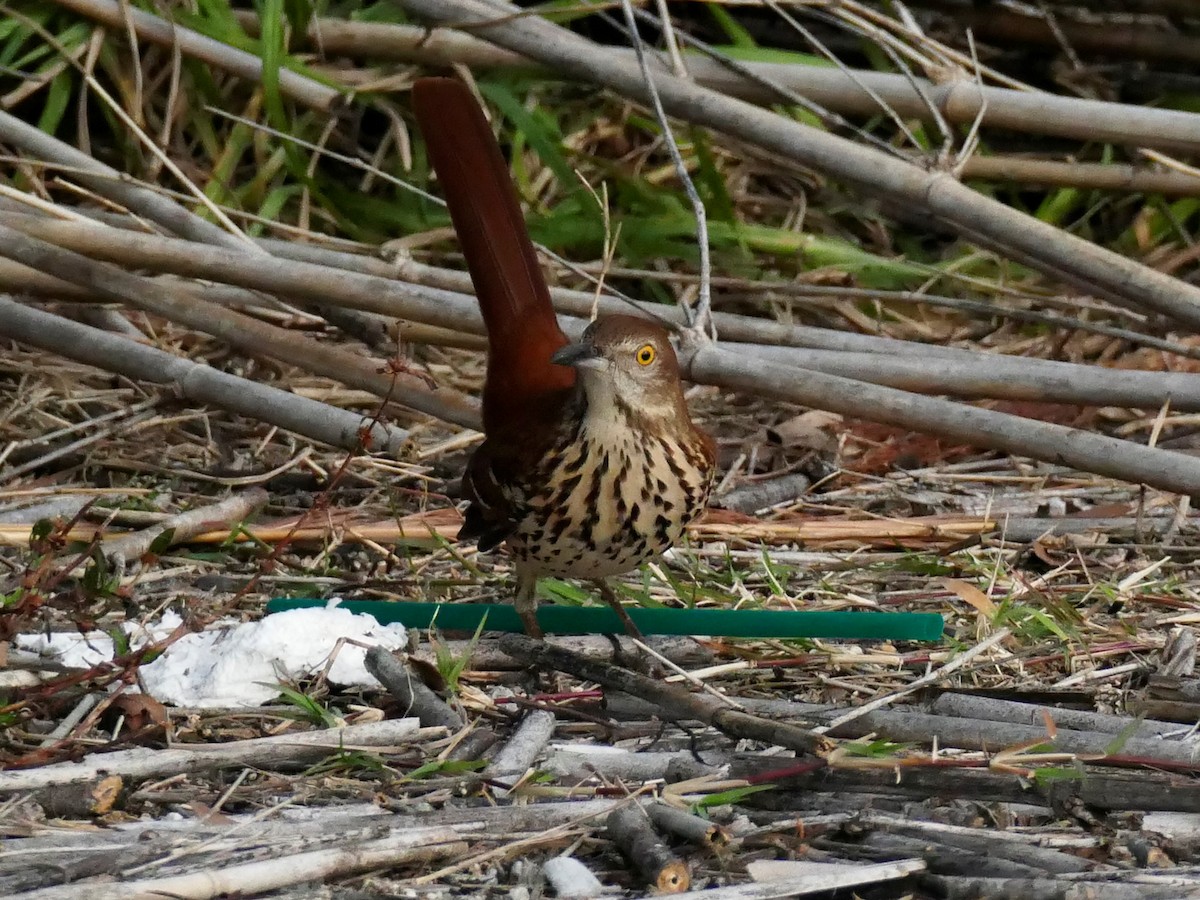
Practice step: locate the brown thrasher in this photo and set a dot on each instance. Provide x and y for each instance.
(590, 464)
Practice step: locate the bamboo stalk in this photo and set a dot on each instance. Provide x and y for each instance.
(300, 281)
(730, 326)
(921, 367)
(735, 326)
(217, 54)
(314, 275)
(198, 382)
(847, 91)
(978, 218)
(424, 528)
(319, 275)
(236, 329)
(979, 427)
(445, 309)
(415, 697)
(110, 183)
(1129, 40)
(995, 375)
(994, 430)
(1096, 176)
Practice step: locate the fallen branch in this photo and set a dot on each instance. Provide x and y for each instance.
(726, 368)
(195, 381)
(973, 847)
(300, 748)
(686, 825)
(1132, 40)
(970, 710)
(108, 182)
(993, 709)
(216, 54)
(937, 857)
(674, 703)
(978, 427)
(446, 302)
(951, 887)
(185, 525)
(513, 760)
(1133, 742)
(750, 498)
(580, 763)
(405, 289)
(1093, 176)
(1145, 791)
(996, 376)
(1013, 845)
(631, 830)
(236, 329)
(400, 847)
(848, 91)
(415, 697)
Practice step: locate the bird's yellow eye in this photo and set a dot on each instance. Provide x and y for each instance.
(645, 354)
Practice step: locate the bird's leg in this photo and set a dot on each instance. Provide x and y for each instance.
(525, 602)
(610, 597)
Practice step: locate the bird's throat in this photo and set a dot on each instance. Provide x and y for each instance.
(608, 411)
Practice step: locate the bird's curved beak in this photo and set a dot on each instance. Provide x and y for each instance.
(579, 356)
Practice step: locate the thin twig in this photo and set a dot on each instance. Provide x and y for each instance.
(699, 321)
(932, 678)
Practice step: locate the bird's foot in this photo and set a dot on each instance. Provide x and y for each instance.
(529, 619)
(525, 603)
(629, 657)
(610, 597)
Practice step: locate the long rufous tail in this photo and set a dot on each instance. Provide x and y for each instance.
(522, 329)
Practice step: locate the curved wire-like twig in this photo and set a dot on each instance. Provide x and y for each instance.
(699, 320)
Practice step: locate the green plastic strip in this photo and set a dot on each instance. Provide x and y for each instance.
(745, 623)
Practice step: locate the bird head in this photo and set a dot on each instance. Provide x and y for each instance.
(627, 363)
